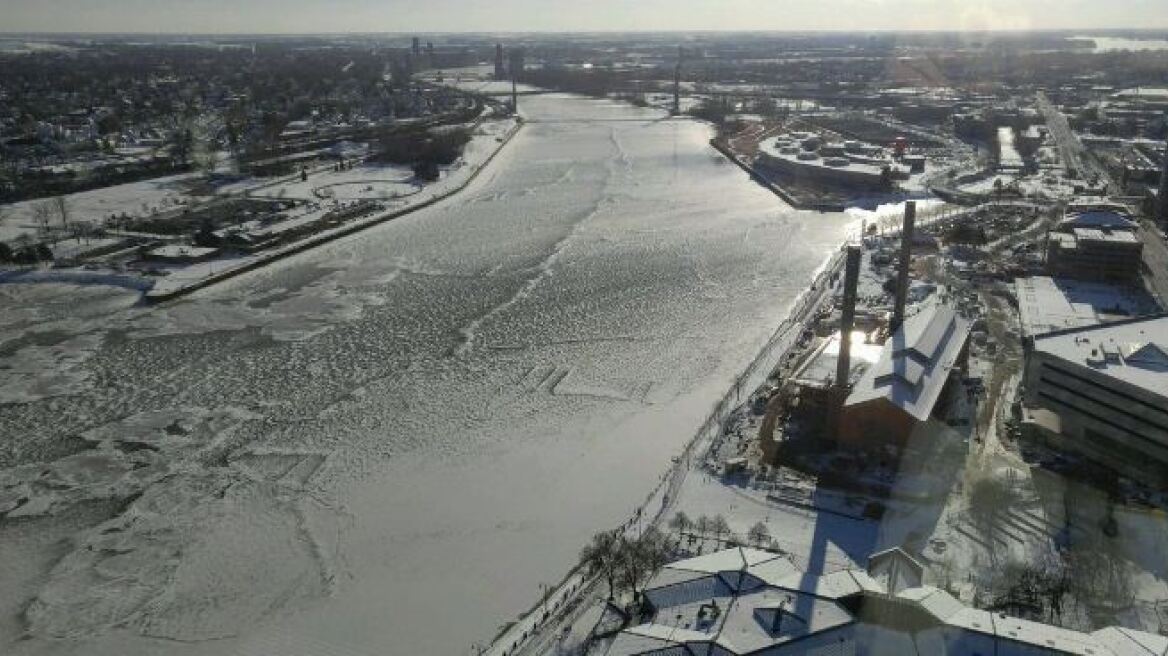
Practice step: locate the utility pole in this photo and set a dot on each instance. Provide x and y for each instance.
(677, 82)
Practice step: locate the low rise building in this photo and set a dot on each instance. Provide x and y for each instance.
(1048, 304)
(1095, 245)
(1102, 391)
(746, 601)
(806, 156)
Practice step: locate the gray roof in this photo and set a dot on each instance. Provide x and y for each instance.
(792, 606)
(1133, 351)
(915, 362)
(1048, 304)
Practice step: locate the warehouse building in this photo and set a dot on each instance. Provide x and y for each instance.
(1102, 391)
(1048, 304)
(1095, 245)
(910, 381)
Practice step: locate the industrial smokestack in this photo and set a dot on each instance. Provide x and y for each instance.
(906, 237)
(848, 316)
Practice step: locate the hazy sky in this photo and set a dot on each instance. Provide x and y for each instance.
(214, 16)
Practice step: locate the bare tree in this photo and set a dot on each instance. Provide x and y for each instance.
(181, 143)
(702, 526)
(987, 497)
(206, 158)
(602, 556)
(680, 522)
(61, 208)
(758, 535)
(640, 558)
(1099, 576)
(720, 527)
(42, 211)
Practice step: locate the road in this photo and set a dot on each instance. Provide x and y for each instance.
(1069, 146)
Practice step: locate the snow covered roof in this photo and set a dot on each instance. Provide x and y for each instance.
(786, 606)
(736, 558)
(821, 367)
(895, 569)
(1127, 642)
(938, 603)
(1105, 234)
(181, 250)
(1048, 304)
(1047, 636)
(1134, 351)
(915, 362)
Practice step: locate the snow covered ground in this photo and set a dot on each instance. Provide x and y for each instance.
(95, 206)
(342, 451)
(363, 181)
(397, 196)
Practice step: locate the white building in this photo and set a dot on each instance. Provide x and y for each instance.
(1103, 391)
(807, 157)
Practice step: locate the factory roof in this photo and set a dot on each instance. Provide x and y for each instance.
(1047, 304)
(1134, 351)
(915, 362)
(820, 368)
(765, 612)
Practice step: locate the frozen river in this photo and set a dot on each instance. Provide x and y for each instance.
(386, 445)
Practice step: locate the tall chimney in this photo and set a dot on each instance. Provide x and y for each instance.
(848, 316)
(906, 237)
(1162, 197)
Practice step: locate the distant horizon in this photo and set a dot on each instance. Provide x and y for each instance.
(340, 17)
(1094, 31)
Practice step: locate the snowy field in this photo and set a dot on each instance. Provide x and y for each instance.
(94, 206)
(339, 453)
(341, 187)
(363, 181)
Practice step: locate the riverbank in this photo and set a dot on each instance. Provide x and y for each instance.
(788, 197)
(201, 276)
(578, 590)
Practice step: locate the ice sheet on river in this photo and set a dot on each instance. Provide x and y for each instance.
(421, 421)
